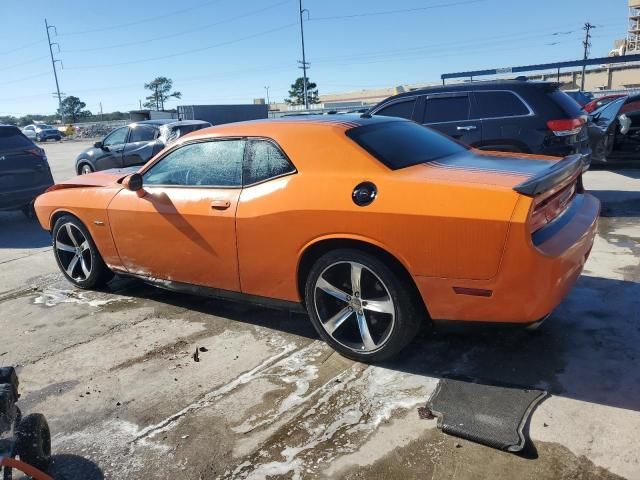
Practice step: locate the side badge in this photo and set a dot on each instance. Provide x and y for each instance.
(364, 194)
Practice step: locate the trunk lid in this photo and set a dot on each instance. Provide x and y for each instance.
(500, 169)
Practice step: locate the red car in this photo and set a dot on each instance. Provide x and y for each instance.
(599, 102)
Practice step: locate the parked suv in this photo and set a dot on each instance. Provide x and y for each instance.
(134, 144)
(512, 116)
(24, 170)
(42, 133)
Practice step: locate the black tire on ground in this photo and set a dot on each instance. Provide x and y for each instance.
(409, 313)
(85, 168)
(33, 441)
(99, 272)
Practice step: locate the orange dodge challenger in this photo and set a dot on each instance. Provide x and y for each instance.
(373, 224)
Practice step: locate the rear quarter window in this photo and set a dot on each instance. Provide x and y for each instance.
(403, 109)
(11, 138)
(401, 144)
(499, 104)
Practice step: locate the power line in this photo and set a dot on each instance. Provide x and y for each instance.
(138, 22)
(403, 10)
(22, 47)
(37, 75)
(9, 67)
(178, 34)
(187, 52)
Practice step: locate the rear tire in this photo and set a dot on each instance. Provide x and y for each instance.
(77, 255)
(33, 441)
(360, 306)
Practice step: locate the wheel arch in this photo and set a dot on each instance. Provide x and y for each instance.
(315, 249)
(61, 213)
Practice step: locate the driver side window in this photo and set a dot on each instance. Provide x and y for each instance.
(116, 137)
(216, 163)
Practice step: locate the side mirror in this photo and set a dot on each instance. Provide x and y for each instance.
(133, 182)
(98, 145)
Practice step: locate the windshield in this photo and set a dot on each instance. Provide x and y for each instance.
(402, 144)
(44, 127)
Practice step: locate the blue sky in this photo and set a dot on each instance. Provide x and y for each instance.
(226, 51)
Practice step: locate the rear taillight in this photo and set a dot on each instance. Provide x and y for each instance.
(563, 128)
(37, 151)
(547, 208)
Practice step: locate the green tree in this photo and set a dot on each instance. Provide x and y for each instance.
(160, 93)
(73, 109)
(296, 93)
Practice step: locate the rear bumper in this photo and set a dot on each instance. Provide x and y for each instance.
(16, 199)
(532, 280)
(48, 135)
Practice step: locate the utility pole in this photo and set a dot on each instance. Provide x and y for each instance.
(140, 103)
(587, 45)
(101, 118)
(53, 63)
(155, 85)
(268, 101)
(304, 64)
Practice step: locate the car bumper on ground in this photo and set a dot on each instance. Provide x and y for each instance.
(529, 284)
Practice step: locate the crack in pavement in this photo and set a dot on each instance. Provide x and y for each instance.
(205, 401)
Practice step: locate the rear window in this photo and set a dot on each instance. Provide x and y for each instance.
(566, 103)
(11, 137)
(402, 144)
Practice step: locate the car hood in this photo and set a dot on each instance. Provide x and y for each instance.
(96, 179)
(501, 169)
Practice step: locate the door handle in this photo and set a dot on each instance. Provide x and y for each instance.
(466, 128)
(220, 204)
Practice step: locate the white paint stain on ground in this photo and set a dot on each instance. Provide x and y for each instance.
(108, 441)
(50, 297)
(349, 409)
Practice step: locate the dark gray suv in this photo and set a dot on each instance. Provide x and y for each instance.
(134, 144)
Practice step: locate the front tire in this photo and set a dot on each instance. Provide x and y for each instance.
(77, 255)
(360, 306)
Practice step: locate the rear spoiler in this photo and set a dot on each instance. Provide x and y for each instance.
(556, 174)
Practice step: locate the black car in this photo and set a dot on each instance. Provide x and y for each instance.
(134, 144)
(24, 170)
(512, 116)
(614, 130)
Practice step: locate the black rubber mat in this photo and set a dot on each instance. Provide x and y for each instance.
(488, 414)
